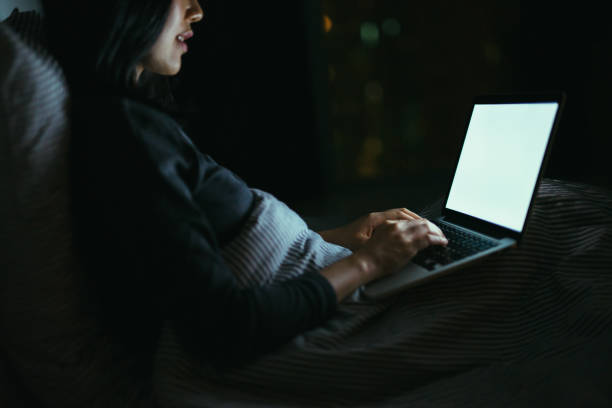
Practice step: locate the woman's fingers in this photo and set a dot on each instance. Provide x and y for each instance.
(436, 229)
(436, 239)
(396, 214)
(411, 214)
(435, 235)
(426, 231)
(399, 214)
(377, 218)
(395, 242)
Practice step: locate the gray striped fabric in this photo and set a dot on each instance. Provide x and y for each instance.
(30, 27)
(437, 344)
(58, 351)
(276, 244)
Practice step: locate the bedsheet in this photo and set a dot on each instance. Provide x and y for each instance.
(488, 335)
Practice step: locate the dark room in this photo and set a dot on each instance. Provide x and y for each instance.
(308, 203)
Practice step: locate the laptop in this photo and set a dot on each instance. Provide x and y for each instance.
(500, 164)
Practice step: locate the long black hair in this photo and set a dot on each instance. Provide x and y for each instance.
(99, 43)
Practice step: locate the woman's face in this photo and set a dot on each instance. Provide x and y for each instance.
(166, 53)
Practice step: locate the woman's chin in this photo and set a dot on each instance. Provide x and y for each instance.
(170, 70)
(176, 68)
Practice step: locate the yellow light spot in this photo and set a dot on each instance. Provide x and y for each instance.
(328, 24)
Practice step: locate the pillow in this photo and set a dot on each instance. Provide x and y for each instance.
(30, 26)
(57, 349)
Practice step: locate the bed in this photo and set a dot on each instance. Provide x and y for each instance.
(505, 332)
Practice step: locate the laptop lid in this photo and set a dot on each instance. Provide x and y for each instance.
(501, 161)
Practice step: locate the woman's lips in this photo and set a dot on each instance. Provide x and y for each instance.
(181, 38)
(186, 35)
(182, 45)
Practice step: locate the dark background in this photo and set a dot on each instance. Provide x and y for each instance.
(338, 123)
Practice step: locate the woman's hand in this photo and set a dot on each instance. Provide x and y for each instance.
(354, 235)
(387, 248)
(395, 242)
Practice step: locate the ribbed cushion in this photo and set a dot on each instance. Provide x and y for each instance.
(57, 350)
(29, 25)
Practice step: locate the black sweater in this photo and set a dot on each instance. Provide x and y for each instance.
(151, 213)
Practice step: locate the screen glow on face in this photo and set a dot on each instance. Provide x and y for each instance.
(501, 160)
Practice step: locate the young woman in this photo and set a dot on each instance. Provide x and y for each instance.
(152, 212)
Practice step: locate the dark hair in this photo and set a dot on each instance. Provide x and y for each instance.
(99, 43)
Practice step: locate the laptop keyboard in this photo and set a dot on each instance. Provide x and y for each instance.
(461, 244)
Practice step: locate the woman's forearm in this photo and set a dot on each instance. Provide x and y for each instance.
(348, 274)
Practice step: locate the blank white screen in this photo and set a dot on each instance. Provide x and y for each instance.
(500, 161)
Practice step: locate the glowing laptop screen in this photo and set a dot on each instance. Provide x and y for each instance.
(500, 161)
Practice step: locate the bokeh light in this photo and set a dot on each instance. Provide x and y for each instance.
(370, 34)
(328, 24)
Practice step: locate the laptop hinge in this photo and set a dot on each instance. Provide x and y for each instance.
(483, 227)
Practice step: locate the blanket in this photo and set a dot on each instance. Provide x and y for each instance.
(547, 300)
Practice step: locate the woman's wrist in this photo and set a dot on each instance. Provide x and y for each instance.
(366, 267)
(350, 273)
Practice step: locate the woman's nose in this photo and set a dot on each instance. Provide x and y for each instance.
(194, 12)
